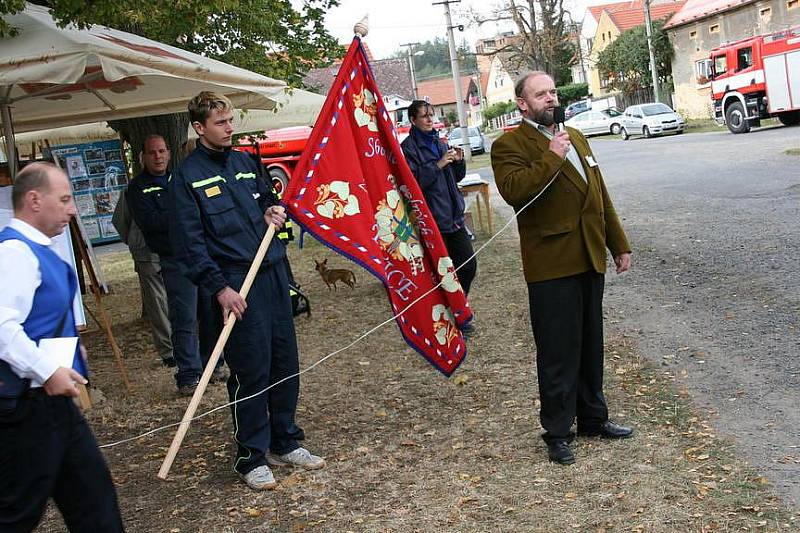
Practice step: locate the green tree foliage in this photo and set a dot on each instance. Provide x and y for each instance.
(499, 109)
(572, 92)
(626, 61)
(435, 62)
(271, 37)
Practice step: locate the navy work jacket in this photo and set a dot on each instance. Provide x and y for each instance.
(439, 185)
(147, 202)
(217, 221)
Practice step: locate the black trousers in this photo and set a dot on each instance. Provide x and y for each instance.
(459, 246)
(262, 350)
(47, 449)
(567, 320)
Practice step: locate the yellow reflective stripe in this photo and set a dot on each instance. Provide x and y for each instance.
(152, 189)
(245, 175)
(207, 181)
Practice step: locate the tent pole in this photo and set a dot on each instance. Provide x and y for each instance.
(8, 133)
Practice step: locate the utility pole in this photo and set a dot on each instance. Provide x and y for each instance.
(462, 114)
(415, 92)
(653, 70)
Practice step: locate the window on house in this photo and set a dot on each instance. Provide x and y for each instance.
(744, 58)
(792, 4)
(604, 37)
(702, 71)
(693, 35)
(714, 28)
(765, 12)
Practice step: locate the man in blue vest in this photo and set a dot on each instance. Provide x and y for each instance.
(147, 199)
(221, 207)
(46, 446)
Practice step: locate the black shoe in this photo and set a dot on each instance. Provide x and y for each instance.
(169, 362)
(188, 389)
(609, 430)
(558, 451)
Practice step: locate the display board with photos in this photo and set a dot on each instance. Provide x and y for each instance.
(98, 174)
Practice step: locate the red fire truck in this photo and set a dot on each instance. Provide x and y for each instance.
(279, 151)
(757, 78)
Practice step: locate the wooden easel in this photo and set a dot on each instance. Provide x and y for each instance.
(94, 283)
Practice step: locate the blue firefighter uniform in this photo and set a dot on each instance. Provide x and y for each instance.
(216, 227)
(147, 200)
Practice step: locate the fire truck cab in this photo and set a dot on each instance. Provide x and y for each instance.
(757, 78)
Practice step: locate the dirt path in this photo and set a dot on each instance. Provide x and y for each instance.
(409, 451)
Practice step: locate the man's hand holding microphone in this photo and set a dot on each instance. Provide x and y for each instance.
(560, 144)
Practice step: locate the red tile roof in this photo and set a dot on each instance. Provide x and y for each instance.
(440, 91)
(596, 11)
(700, 9)
(632, 17)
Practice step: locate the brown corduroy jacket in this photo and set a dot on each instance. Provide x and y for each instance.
(567, 230)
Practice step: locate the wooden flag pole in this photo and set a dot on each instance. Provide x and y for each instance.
(230, 320)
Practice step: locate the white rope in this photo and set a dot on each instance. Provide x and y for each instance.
(353, 343)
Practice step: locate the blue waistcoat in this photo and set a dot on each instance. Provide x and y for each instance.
(51, 309)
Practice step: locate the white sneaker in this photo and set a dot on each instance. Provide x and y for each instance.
(260, 478)
(300, 458)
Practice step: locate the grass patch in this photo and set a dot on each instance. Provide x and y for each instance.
(703, 125)
(410, 451)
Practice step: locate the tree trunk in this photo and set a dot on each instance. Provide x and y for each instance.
(173, 127)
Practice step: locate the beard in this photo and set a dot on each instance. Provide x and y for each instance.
(542, 116)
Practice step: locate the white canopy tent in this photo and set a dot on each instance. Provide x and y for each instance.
(299, 108)
(52, 77)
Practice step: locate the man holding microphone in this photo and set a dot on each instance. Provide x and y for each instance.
(564, 235)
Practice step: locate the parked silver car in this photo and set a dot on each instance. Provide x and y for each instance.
(476, 141)
(649, 120)
(597, 122)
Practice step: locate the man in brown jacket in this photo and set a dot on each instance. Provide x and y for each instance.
(563, 236)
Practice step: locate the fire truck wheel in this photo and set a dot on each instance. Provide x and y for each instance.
(624, 134)
(790, 118)
(279, 180)
(735, 118)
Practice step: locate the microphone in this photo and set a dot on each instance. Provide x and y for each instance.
(559, 118)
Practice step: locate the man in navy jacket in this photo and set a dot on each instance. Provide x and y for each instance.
(147, 200)
(221, 208)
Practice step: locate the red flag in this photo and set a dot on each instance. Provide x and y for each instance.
(354, 191)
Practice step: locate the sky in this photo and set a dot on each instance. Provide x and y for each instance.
(401, 21)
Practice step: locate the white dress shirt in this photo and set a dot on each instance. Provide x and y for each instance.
(19, 278)
(573, 157)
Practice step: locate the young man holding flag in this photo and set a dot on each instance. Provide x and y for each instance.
(221, 210)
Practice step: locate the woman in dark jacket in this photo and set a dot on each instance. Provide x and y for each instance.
(438, 170)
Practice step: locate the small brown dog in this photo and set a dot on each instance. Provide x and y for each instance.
(331, 275)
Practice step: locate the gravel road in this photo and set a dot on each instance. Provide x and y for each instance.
(714, 220)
